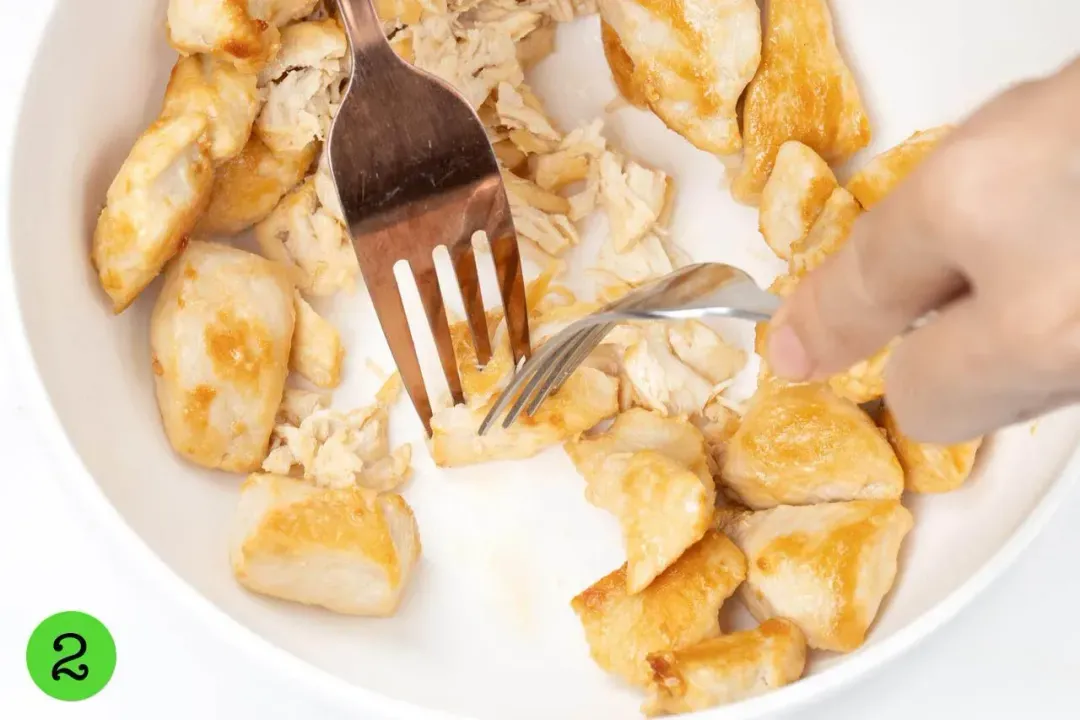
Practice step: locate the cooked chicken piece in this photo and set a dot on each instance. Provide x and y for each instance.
(633, 198)
(302, 102)
(652, 474)
(802, 444)
(661, 379)
(302, 234)
(226, 29)
(622, 67)
(878, 178)
(248, 187)
(700, 347)
(540, 216)
(282, 12)
(220, 336)
(620, 272)
(473, 60)
(480, 383)
(524, 119)
(930, 468)
(337, 549)
(726, 669)
(719, 422)
(152, 205)
(588, 397)
(326, 190)
(229, 98)
(689, 62)
(681, 607)
(803, 91)
(317, 352)
(570, 163)
(297, 404)
(796, 193)
(824, 567)
(397, 13)
(310, 45)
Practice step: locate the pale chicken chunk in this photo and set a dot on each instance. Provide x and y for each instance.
(803, 91)
(303, 234)
(824, 567)
(652, 474)
(633, 197)
(700, 347)
(317, 351)
(220, 335)
(226, 29)
(338, 549)
(579, 151)
(620, 272)
(152, 205)
(248, 187)
(588, 397)
(726, 669)
(301, 103)
(928, 467)
(883, 173)
(228, 97)
(540, 216)
(688, 61)
(681, 607)
(796, 193)
(802, 444)
(314, 45)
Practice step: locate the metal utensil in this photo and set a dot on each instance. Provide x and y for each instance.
(696, 291)
(415, 171)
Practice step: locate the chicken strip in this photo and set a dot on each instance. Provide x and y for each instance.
(798, 188)
(303, 234)
(588, 397)
(242, 32)
(220, 334)
(248, 187)
(201, 84)
(824, 567)
(338, 549)
(883, 173)
(317, 352)
(802, 444)
(726, 669)
(803, 91)
(152, 205)
(930, 468)
(689, 62)
(681, 607)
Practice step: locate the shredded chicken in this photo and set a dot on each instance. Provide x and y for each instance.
(633, 198)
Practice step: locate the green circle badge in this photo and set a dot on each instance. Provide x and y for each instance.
(71, 656)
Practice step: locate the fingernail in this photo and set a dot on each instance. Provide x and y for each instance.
(787, 355)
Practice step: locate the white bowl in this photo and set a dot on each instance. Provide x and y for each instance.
(486, 630)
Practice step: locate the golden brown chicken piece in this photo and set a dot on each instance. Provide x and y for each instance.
(228, 97)
(652, 473)
(588, 397)
(726, 669)
(803, 91)
(824, 567)
(798, 188)
(802, 444)
(930, 468)
(879, 176)
(681, 607)
(317, 352)
(152, 205)
(622, 66)
(220, 334)
(338, 549)
(690, 62)
(243, 32)
(248, 187)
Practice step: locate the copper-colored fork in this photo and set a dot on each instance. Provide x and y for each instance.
(415, 171)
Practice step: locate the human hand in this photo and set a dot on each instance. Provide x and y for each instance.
(986, 232)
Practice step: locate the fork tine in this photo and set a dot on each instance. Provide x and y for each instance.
(395, 324)
(535, 364)
(507, 256)
(583, 345)
(427, 282)
(554, 368)
(469, 283)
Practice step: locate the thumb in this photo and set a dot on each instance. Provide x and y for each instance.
(888, 274)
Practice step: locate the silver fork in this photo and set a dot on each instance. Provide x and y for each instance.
(695, 291)
(415, 171)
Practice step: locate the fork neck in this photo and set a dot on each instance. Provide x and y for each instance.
(363, 26)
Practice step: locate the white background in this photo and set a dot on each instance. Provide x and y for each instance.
(1015, 652)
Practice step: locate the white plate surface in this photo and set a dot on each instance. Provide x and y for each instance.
(487, 630)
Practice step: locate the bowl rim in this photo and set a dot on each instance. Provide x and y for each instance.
(68, 469)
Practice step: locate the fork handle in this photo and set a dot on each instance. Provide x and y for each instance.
(363, 27)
